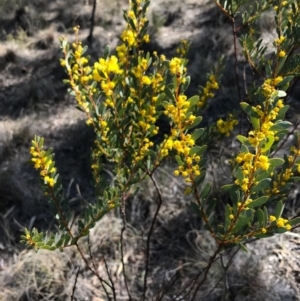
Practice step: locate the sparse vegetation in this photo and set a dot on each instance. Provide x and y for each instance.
(167, 243)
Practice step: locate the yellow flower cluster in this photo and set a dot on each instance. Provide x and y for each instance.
(146, 144)
(180, 141)
(130, 36)
(183, 47)
(176, 66)
(286, 173)
(269, 85)
(281, 53)
(207, 91)
(280, 222)
(266, 119)
(250, 163)
(178, 111)
(147, 106)
(80, 75)
(104, 68)
(280, 40)
(43, 163)
(226, 126)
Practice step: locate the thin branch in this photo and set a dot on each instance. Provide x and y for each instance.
(89, 268)
(95, 269)
(224, 277)
(110, 279)
(236, 59)
(90, 37)
(74, 285)
(193, 282)
(210, 263)
(285, 139)
(170, 284)
(123, 214)
(150, 232)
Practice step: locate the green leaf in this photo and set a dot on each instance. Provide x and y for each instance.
(282, 112)
(261, 235)
(260, 218)
(258, 202)
(196, 209)
(106, 51)
(294, 221)
(281, 63)
(198, 150)
(226, 187)
(235, 195)
(243, 247)
(186, 84)
(248, 110)
(193, 100)
(197, 133)
(179, 161)
(266, 216)
(285, 81)
(295, 179)
(255, 122)
(211, 206)
(161, 97)
(275, 162)
(280, 126)
(170, 94)
(244, 149)
(227, 219)
(206, 191)
(245, 218)
(279, 209)
(261, 176)
(199, 179)
(197, 120)
(268, 144)
(242, 139)
(130, 21)
(261, 186)
(239, 174)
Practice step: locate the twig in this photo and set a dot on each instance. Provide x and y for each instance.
(110, 279)
(90, 269)
(211, 261)
(150, 232)
(193, 282)
(171, 283)
(224, 277)
(95, 269)
(123, 214)
(285, 139)
(74, 285)
(90, 37)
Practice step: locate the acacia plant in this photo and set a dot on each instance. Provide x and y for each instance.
(124, 94)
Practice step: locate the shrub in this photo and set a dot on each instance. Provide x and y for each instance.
(125, 94)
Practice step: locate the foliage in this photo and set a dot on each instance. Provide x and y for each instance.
(123, 96)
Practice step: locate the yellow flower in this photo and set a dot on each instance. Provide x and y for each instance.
(263, 162)
(175, 66)
(282, 53)
(146, 80)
